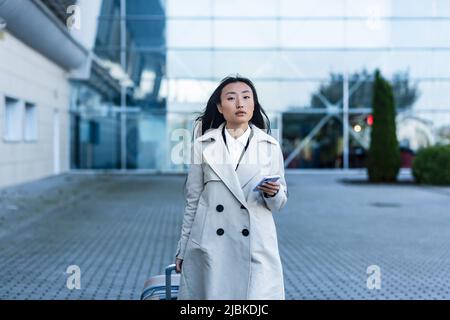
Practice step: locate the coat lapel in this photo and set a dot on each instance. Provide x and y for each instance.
(255, 157)
(217, 157)
(248, 168)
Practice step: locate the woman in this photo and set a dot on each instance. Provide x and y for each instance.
(228, 246)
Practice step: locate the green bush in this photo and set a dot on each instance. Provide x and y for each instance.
(384, 160)
(432, 165)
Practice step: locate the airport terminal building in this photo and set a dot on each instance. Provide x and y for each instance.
(109, 84)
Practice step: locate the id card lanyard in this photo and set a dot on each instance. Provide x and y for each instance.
(246, 145)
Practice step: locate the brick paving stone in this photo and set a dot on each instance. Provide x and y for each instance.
(122, 229)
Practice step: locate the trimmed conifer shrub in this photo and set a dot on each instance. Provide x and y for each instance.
(384, 161)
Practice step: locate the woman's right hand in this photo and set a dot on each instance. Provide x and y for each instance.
(178, 263)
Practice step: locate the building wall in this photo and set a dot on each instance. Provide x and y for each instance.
(30, 77)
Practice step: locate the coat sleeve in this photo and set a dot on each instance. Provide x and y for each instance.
(192, 192)
(277, 202)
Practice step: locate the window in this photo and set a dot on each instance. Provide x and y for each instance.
(30, 122)
(13, 120)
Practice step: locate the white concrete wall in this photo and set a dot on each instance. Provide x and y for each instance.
(30, 77)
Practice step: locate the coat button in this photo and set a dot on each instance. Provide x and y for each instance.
(220, 232)
(219, 208)
(245, 232)
(242, 206)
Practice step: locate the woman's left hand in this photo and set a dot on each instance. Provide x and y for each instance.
(271, 188)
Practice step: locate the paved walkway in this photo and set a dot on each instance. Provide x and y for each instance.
(120, 229)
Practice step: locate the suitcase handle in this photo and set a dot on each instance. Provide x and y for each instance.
(169, 269)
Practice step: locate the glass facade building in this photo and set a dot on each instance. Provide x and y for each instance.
(312, 64)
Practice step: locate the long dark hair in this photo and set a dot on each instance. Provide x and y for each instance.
(211, 118)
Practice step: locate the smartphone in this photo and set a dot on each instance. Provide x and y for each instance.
(267, 179)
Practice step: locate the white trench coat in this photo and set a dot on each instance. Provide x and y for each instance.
(228, 238)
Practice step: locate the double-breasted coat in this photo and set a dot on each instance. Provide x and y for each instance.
(228, 237)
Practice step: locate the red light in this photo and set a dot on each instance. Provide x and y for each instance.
(370, 119)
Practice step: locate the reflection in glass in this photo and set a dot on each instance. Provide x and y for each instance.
(146, 140)
(95, 141)
(295, 51)
(312, 141)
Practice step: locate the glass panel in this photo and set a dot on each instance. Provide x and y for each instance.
(305, 8)
(441, 125)
(30, 122)
(329, 94)
(310, 33)
(336, 8)
(295, 51)
(13, 120)
(317, 137)
(95, 141)
(144, 7)
(421, 129)
(188, 94)
(192, 64)
(146, 140)
(370, 33)
(364, 33)
(245, 34)
(189, 33)
(370, 8)
(286, 95)
(419, 64)
(107, 45)
(188, 8)
(359, 139)
(247, 8)
(253, 64)
(145, 72)
(420, 33)
(310, 64)
(427, 8)
(433, 95)
(146, 34)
